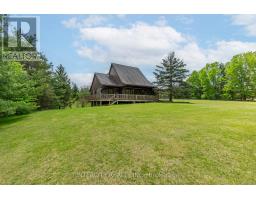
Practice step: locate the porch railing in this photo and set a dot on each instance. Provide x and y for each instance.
(127, 97)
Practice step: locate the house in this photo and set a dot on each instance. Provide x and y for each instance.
(121, 84)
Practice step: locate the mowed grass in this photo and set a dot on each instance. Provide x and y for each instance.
(200, 142)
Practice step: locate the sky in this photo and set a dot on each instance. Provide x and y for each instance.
(85, 44)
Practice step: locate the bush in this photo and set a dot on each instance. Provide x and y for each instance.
(24, 108)
(7, 108)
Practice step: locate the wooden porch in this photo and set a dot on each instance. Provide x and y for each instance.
(116, 98)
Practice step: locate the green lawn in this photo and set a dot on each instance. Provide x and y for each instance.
(200, 142)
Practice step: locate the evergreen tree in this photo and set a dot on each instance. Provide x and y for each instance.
(75, 92)
(62, 87)
(172, 72)
(41, 73)
(182, 91)
(83, 96)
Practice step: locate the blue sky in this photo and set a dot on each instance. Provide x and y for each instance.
(85, 44)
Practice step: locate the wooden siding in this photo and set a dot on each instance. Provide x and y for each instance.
(96, 86)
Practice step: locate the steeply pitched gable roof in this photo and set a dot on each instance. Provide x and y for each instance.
(125, 76)
(131, 75)
(105, 79)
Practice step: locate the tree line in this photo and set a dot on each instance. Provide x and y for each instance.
(36, 86)
(234, 80)
(27, 86)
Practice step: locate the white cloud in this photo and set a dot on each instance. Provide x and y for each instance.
(146, 44)
(81, 79)
(193, 55)
(139, 44)
(90, 21)
(71, 23)
(94, 20)
(247, 21)
(224, 50)
(93, 53)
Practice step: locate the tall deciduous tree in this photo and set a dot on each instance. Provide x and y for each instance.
(250, 62)
(238, 78)
(171, 72)
(212, 79)
(195, 85)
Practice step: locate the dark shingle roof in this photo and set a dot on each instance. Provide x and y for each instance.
(104, 79)
(127, 76)
(131, 75)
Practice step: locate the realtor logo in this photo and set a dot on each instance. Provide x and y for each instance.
(20, 39)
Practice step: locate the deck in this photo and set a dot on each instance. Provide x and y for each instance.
(115, 98)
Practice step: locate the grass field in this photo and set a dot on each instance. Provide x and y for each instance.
(200, 142)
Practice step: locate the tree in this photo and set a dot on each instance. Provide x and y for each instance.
(221, 80)
(212, 78)
(238, 84)
(235, 80)
(195, 85)
(1, 25)
(17, 94)
(41, 73)
(250, 62)
(182, 91)
(62, 87)
(83, 96)
(209, 82)
(171, 72)
(75, 92)
(29, 84)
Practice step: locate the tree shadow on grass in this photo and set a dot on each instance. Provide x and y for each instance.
(183, 102)
(11, 119)
(177, 102)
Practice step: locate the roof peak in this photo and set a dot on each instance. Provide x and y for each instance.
(129, 75)
(100, 73)
(122, 65)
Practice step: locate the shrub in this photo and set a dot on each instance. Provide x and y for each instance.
(7, 107)
(24, 108)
